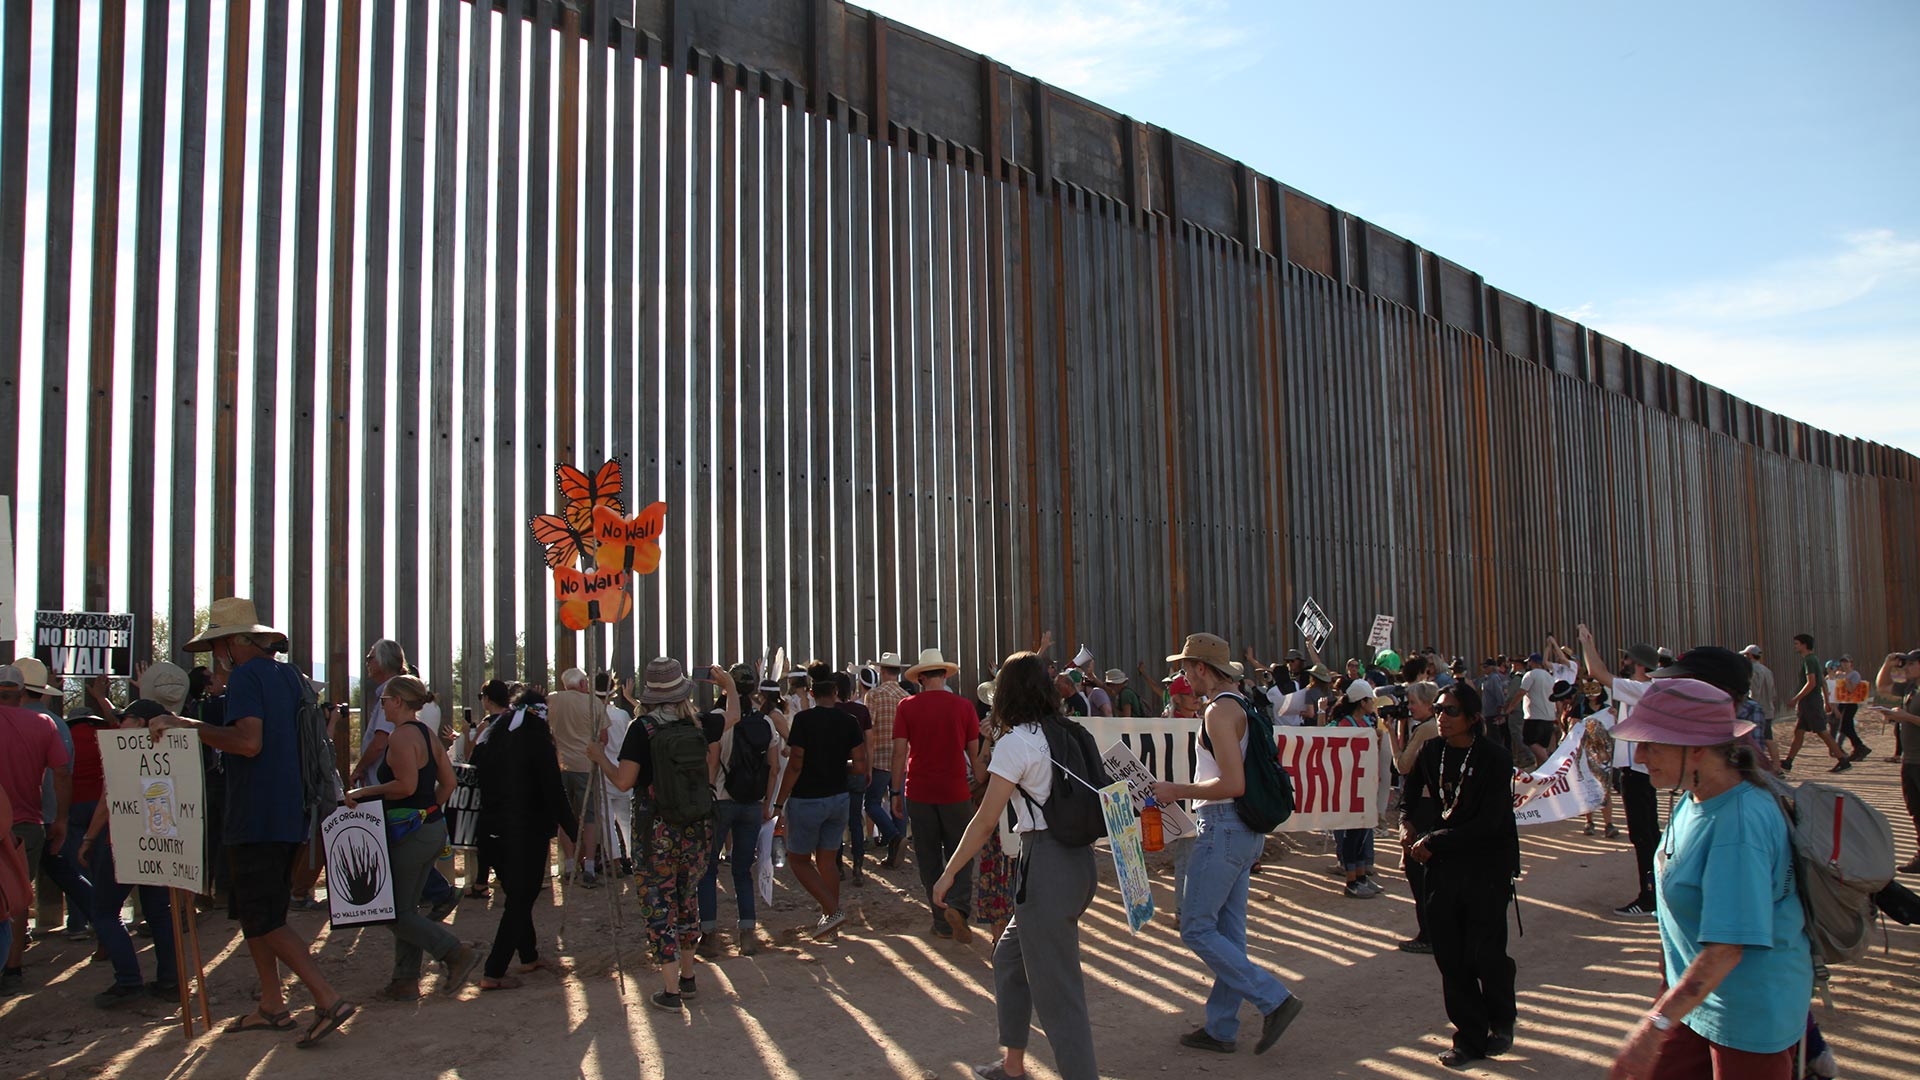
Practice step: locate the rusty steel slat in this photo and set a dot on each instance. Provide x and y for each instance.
(866, 558)
(537, 620)
(726, 506)
(698, 560)
(801, 598)
(566, 290)
(226, 389)
(508, 539)
(751, 585)
(853, 635)
(98, 497)
(1026, 551)
(471, 529)
(16, 92)
(304, 359)
(774, 376)
(889, 246)
(374, 472)
(987, 454)
(590, 310)
(961, 498)
(440, 369)
(625, 660)
(996, 285)
(1095, 535)
(406, 346)
(1064, 343)
(1172, 318)
(340, 343)
(820, 378)
(940, 496)
(1152, 573)
(56, 345)
(145, 339)
(187, 271)
(918, 562)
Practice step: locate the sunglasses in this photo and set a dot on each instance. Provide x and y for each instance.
(1453, 710)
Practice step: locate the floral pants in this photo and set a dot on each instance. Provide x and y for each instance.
(668, 876)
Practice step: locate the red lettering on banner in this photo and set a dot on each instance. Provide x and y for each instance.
(1318, 795)
(1357, 748)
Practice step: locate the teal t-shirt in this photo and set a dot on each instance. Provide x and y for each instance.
(1726, 878)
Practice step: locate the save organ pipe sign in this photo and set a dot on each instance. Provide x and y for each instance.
(359, 866)
(156, 811)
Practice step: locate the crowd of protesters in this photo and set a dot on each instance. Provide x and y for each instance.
(646, 780)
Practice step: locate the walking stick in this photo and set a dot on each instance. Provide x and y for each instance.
(181, 982)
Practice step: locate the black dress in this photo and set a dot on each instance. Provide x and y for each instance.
(1460, 801)
(522, 804)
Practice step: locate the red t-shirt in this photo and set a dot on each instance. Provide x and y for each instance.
(938, 725)
(33, 746)
(89, 780)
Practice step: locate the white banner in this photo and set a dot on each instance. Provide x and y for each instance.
(1563, 786)
(1175, 823)
(1340, 775)
(359, 867)
(156, 807)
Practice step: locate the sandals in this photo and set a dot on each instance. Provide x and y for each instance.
(325, 1022)
(259, 1020)
(504, 982)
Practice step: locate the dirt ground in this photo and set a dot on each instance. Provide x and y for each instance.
(888, 1000)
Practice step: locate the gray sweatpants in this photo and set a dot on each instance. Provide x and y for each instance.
(1038, 957)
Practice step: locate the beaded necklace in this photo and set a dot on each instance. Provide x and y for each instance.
(1451, 796)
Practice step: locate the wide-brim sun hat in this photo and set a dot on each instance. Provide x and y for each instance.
(1683, 712)
(890, 660)
(929, 660)
(1115, 675)
(667, 682)
(1209, 649)
(33, 675)
(869, 677)
(229, 616)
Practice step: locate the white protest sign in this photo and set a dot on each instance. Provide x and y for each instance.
(1129, 857)
(359, 868)
(1564, 786)
(156, 807)
(1123, 764)
(1313, 623)
(1381, 636)
(1163, 747)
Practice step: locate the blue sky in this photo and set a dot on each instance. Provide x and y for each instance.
(1732, 188)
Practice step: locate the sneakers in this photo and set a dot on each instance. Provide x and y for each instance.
(688, 988)
(1364, 889)
(1639, 909)
(1588, 831)
(1613, 832)
(1275, 1023)
(116, 995)
(1198, 1039)
(589, 880)
(1861, 754)
(663, 1000)
(829, 926)
(1786, 764)
(1841, 766)
(995, 1071)
(1415, 945)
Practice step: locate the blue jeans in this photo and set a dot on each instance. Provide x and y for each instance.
(873, 799)
(1182, 860)
(1355, 848)
(64, 867)
(155, 904)
(1213, 919)
(740, 820)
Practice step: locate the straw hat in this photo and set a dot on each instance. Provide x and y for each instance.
(667, 684)
(930, 659)
(1209, 649)
(1115, 676)
(33, 674)
(233, 615)
(890, 660)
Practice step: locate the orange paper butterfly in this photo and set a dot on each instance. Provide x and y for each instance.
(623, 544)
(587, 598)
(584, 494)
(564, 544)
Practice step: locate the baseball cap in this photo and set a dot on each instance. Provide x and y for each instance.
(1359, 690)
(1535, 658)
(1295, 654)
(1180, 685)
(1714, 666)
(1751, 650)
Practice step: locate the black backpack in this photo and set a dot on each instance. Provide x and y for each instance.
(746, 766)
(1072, 809)
(682, 793)
(1268, 800)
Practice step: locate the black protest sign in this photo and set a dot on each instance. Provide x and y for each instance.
(82, 644)
(463, 808)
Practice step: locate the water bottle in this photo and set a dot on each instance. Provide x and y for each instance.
(779, 848)
(1151, 837)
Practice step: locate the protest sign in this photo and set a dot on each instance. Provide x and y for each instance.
(1313, 623)
(1129, 858)
(1123, 764)
(156, 807)
(359, 868)
(585, 598)
(463, 808)
(1164, 747)
(629, 544)
(1563, 786)
(1381, 636)
(84, 643)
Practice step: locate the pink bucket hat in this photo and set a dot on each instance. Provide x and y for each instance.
(1682, 712)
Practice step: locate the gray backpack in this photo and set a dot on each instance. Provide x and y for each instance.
(1842, 856)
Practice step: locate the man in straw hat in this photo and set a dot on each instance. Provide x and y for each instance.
(266, 821)
(937, 735)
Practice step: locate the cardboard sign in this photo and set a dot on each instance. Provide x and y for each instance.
(156, 807)
(1123, 764)
(1563, 786)
(463, 808)
(1313, 623)
(1129, 858)
(629, 544)
(359, 866)
(1381, 636)
(83, 644)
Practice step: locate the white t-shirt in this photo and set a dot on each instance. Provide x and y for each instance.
(374, 720)
(1021, 756)
(1624, 695)
(616, 735)
(1566, 673)
(1537, 685)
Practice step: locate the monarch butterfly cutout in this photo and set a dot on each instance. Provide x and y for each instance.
(587, 598)
(565, 546)
(584, 494)
(622, 544)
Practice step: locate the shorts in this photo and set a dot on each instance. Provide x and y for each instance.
(262, 885)
(815, 824)
(1539, 733)
(33, 839)
(579, 788)
(1812, 716)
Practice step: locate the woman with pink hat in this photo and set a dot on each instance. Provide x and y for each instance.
(1739, 969)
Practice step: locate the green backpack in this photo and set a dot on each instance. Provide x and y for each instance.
(682, 794)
